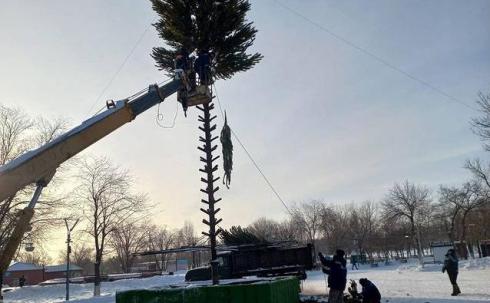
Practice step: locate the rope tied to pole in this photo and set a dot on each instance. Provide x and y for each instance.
(227, 149)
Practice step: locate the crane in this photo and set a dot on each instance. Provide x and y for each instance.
(38, 166)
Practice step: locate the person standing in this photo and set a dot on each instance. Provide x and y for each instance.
(22, 281)
(451, 266)
(353, 261)
(337, 275)
(370, 293)
(202, 66)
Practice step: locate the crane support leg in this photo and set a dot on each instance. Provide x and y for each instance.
(21, 226)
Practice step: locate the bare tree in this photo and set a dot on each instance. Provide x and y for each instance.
(308, 218)
(107, 202)
(14, 141)
(14, 133)
(449, 208)
(186, 236)
(362, 224)
(38, 257)
(160, 238)
(265, 229)
(18, 134)
(481, 124)
(126, 240)
(479, 172)
(409, 202)
(473, 197)
(334, 227)
(83, 256)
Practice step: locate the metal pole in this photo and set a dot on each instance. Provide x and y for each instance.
(68, 239)
(68, 251)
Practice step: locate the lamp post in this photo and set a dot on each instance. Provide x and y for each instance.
(68, 251)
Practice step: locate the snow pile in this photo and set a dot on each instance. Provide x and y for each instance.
(83, 292)
(471, 264)
(476, 264)
(417, 267)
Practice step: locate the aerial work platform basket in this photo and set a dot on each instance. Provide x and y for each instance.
(202, 94)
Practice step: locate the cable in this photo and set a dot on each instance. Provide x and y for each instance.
(120, 67)
(374, 56)
(159, 116)
(252, 159)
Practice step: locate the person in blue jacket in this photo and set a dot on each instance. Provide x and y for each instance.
(451, 266)
(370, 293)
(337, 275)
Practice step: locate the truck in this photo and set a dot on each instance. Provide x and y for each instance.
(262, 260)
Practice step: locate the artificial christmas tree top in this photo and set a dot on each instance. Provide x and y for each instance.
(216, 26)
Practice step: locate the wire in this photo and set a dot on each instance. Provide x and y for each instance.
(374, 56)
(121, 66)
(101, 109)
(159, 117)
(252, 159)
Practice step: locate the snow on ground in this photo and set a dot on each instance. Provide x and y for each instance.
(409, 283)
(405, 283)
(82, 293)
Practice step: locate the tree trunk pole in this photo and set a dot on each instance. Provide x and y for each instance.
(97, 277)
(419, 247)
(207, 148)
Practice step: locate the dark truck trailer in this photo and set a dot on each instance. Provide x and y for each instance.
(264, 260)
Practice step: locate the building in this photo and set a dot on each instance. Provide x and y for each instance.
(439, 250)
(33, 274)
(59, 271)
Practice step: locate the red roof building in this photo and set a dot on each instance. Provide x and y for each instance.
(32, 273)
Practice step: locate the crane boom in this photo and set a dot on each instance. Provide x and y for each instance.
(40, 164)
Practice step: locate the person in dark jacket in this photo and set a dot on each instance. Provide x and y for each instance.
(451, 266)
(202, 66)
(370, 293)
(182, 59)
(22, 281)
(353, 261)
(337, 275)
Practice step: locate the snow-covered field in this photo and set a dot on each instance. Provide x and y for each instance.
(406, 283)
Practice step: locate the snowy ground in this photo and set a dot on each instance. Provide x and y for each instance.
(397, 283)
(408, 283)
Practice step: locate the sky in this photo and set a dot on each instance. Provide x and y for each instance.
(322, 117)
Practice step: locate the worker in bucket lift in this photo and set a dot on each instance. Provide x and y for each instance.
(202, 66)
(182, 59)
(181, 68)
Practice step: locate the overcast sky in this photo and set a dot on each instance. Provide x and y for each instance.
(323, 119)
